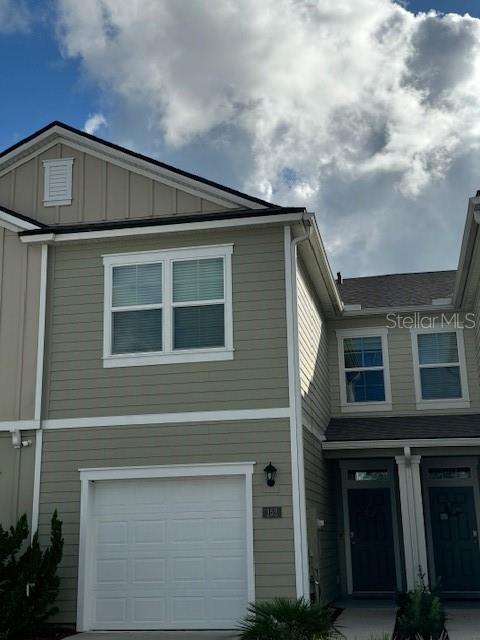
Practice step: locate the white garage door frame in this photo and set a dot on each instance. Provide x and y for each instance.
(85, 600)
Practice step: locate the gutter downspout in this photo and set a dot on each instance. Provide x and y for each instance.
(39, 388)
(296, 419)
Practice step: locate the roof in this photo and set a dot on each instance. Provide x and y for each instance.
(21, 216)
(403, 427)
(88, 136)
(228, 214)
(398, 289)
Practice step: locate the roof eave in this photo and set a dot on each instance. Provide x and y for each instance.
(466, 251)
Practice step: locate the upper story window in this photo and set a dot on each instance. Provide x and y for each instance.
(439, 368)
(168, 306)
(57, 182)
(364, 369)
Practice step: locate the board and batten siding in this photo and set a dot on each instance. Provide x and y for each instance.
(19, 304)
(16, 478)
(65, 451)
(401, 368)
(77, 385)
(101, 190)
(319, 480)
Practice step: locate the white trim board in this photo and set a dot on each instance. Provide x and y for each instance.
(394, 444)
(53, 238)
(167, 418)
(22, 425)
(89, 476)
(12, 223)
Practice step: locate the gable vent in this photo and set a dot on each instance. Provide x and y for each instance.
(58, 182)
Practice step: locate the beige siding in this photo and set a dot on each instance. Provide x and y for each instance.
(313, 353)
(66, 451)
(401, 368)
(101, 190)
(19, 299)
(16, 478)
(320, 497)
(77, 383)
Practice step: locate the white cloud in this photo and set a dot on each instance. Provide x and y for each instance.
(358, 109)
(14, 16)
(94, 122)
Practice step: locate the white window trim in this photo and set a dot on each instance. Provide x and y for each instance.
(353, 407)
(86, 556)
(47, 164)
(448, 403)
(167, 355)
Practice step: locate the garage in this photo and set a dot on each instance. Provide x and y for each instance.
(165, 553)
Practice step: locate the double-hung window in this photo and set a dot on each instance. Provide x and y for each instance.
(168, 306)
(364, 369)
(439, 368)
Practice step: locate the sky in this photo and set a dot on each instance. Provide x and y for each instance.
(366, 112)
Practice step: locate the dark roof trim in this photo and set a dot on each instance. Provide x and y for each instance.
(164, 220)
(20, 216)
(138, 156)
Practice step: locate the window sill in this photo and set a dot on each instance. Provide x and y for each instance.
(141, 360)
(57, 203)
(443, 404)
(366, 406)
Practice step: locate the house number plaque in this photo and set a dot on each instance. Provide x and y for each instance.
(271, 513)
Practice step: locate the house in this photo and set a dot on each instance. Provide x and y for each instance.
(216, 419)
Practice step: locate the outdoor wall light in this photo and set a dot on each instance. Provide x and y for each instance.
(270, 474)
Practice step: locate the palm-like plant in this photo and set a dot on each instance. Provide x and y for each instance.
(285, 619)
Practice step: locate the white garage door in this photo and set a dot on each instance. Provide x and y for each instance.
(169, 553)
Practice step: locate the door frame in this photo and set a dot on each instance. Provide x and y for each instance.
(89, 476)
(356, 465)
(473, 481)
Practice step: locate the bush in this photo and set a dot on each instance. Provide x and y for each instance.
(420, 615)
(28, 581)
(284, 619)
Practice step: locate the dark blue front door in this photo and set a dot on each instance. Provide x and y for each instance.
(371, 540)
(455, 538)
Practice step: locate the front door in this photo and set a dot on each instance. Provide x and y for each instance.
(455, 538)
(371, 540)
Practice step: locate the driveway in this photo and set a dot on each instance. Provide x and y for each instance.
(155, 635)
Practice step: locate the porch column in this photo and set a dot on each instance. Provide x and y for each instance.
(412, 517)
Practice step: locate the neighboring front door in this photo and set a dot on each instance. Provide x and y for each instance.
(455, 538)
(371, 540)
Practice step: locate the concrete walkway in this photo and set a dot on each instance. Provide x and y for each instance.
(155, 635)
(367, 620)
(463, 623)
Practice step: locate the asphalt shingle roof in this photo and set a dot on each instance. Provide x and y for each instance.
(398, 289)
(404, 427)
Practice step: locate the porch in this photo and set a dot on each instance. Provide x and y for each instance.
(405, 508)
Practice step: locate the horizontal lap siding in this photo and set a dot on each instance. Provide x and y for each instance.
(66, 451)
(16, 478)
(77, 383)
(319, 485)
(401, 368)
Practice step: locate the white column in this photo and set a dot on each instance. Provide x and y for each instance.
(412, 518)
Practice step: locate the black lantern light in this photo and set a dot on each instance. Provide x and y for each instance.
(270, 474)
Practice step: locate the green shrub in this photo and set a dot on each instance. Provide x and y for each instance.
(284, 619)
(421, 615)
(28, 580)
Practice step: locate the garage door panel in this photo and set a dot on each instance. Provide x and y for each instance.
(169, 553)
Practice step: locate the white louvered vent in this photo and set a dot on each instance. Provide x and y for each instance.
(58, 182)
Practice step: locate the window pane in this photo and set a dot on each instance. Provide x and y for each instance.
(440, 382)
(137, 331)
(137, 284)
(363, 352)
(449, 473)
(365, 386)
(197, 327)
(436, 348)
(198, 280)
(368, 474)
